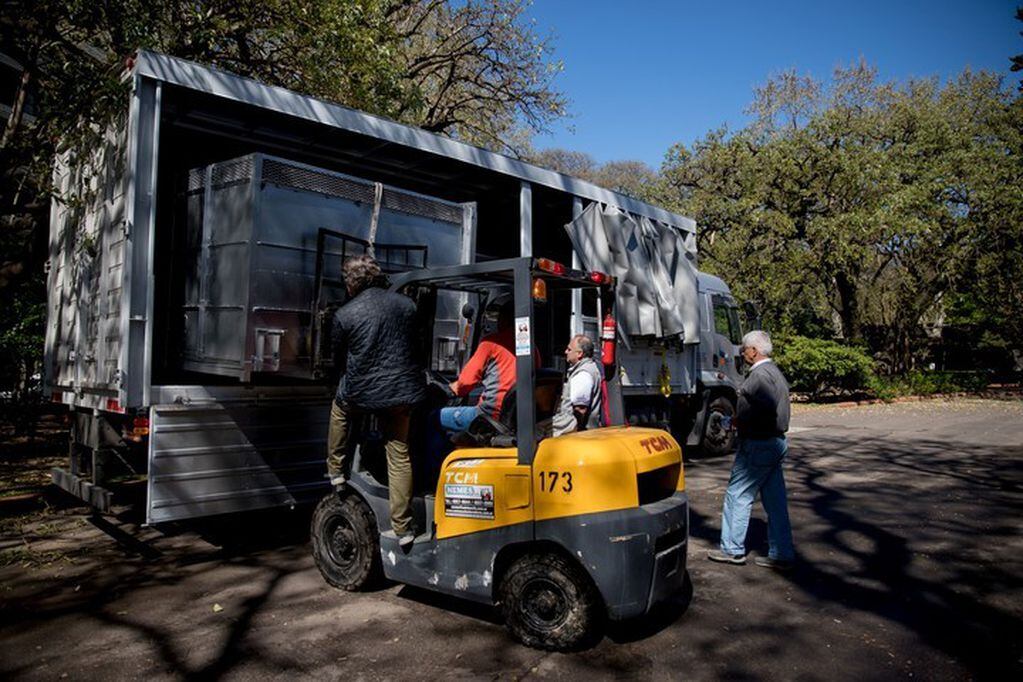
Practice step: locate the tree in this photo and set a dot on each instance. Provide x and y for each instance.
(476, 71)
(633, 178)
(862, 202)
(1017, 60)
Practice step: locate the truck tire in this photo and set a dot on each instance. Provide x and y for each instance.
(716, 440)
(549, 603)
(346, 546)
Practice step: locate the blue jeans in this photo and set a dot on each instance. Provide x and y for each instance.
(757, 469)
(456, 419)
(443, 424)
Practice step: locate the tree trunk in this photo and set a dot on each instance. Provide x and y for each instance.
(848, 307)
(17, 112)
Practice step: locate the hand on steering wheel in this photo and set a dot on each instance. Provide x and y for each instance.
(435, 378)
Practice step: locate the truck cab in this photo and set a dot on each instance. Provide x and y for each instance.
(719, 362)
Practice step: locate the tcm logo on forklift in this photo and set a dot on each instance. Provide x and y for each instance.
(656, 444)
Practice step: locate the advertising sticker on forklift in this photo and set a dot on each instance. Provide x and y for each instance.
(522, 336)
(469, 501)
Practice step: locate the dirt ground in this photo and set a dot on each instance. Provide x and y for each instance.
(907, 520)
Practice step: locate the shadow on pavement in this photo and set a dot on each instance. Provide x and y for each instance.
(463, 607)
(913, 532)
(917, 534)
(661, 617)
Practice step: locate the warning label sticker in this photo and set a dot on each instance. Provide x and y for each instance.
(469, 501)
(522, 346)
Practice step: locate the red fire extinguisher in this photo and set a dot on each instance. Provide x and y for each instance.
(607, 336)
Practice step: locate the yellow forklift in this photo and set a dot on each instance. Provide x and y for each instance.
(559, 532)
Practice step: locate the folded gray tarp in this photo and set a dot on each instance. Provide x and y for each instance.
(654, 264)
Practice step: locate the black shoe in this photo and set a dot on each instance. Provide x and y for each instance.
(725, 558)
(776, 564)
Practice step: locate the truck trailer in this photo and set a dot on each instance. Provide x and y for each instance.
(194, 265)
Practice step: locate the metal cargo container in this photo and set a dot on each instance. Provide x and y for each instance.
(255, 257)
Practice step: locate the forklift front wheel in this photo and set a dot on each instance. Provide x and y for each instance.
(549, 603)
(346, 547)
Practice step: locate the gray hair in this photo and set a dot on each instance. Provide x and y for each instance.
(760, 340)
(585, 344)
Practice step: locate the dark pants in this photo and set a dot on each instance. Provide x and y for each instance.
(394, 424)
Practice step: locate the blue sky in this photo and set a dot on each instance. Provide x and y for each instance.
(645, 74)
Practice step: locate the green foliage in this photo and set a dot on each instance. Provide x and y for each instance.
(923, 383)
(819, 366)
(824, 368)
(22, 324)
(869, 204)
(22, 321)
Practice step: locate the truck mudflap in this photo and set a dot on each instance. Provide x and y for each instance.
(636, 557)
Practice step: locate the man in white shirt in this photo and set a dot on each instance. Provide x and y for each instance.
(581, 405)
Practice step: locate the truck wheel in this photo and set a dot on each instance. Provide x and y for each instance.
(549, 603)
(718, 440)
(346, 546)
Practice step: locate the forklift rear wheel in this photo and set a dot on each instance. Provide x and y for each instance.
(346, 547)
(716, 439)
(549, 603)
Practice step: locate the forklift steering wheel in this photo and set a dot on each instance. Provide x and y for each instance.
(435, 378)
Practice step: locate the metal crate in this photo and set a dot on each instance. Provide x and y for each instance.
(250, 254)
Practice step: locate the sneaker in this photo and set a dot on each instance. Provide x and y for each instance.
(776, 564)
(405, 541)
(337, 482)
(725, 558)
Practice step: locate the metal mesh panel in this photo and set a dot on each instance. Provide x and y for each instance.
(421, 206)
(231, 172)
(195, 180)
(295, 177)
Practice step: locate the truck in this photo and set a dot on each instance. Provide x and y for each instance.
(194, 265)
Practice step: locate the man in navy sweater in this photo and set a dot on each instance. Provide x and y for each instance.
(762, 418)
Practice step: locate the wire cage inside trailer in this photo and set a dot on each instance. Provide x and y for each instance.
(265, 239)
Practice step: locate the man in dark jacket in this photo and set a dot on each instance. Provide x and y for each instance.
(374, 340)
(762, 418)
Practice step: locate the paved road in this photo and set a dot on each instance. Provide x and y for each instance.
(907, 520)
